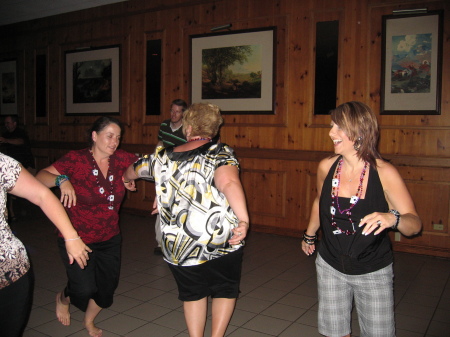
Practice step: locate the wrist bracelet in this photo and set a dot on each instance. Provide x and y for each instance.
(78, 238)
(397, 218)
(309, 239)
(60, 179)
(243, 222)
(125, 181)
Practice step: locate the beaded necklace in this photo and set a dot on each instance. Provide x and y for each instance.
(101, 190)
(353, 200)
(194, 139)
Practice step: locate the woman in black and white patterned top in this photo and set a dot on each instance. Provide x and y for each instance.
(15, 274)
(204, 217)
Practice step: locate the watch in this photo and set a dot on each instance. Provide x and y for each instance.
(397, 216)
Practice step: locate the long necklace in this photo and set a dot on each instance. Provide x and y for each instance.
(353, 200)
(101, 190)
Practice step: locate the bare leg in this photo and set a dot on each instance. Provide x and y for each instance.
(62, 308)
(222, 310)
(195, 316)
(91, 313)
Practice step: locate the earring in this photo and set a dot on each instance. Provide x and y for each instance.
(357, 144)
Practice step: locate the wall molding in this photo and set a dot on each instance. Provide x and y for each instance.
(269, 154)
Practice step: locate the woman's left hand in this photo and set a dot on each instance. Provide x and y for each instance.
(78, 251)
(377, 222)
(239, 233)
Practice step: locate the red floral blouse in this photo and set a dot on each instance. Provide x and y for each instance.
(95, 216)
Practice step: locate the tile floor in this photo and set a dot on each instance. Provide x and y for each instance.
(279, 295)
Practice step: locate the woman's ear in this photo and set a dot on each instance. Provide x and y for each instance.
(188, 130)
(94, 136)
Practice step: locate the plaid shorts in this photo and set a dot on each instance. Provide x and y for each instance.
(374, 300)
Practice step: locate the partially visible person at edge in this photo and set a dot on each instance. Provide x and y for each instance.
(15, 143)
(204, 217)
(92, 191)
(170, 134)
(16, 276)
(361, 197)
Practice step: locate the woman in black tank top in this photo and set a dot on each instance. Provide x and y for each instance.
(360, 199)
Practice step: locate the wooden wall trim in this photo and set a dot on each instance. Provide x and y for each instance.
(270, 154)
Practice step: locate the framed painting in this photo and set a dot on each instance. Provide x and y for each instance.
(234, 70)
(93, 81)
(8, 82)
(411, 64)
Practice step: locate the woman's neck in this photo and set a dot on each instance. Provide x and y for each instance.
(99, 157)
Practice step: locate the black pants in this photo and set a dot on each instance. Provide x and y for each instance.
(99, 279)
(15, 306)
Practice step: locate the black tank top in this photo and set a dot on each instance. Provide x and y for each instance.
(354, 254)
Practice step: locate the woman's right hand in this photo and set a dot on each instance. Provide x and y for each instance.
(308, 249)
(68, 196)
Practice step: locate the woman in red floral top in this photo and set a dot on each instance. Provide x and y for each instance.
(92, 192)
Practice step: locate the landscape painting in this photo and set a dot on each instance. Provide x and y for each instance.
(234, 70)
(93, 81)
(411, 64)
(8, 92)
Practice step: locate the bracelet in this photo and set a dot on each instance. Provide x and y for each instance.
(397, 218)
(243, 222)
(60, 179)
(125, 181)
(78, 238)
(309, 239)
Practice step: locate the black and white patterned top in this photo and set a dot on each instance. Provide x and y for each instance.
(14, 261)
(196, 218)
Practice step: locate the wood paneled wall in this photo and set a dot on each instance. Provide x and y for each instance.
(279, 153)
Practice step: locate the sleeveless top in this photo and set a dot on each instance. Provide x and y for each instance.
(354, 254)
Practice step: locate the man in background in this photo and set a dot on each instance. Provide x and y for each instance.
(170, 130)
(15, 143)
(170, 134)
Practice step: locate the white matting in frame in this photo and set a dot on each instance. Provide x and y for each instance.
(263, 41)
(93, 81)
(8, 82)
(412, 64)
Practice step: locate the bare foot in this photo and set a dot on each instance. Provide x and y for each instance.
(93, 330)
(62, 310)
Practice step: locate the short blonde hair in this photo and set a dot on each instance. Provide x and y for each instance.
(204, 118)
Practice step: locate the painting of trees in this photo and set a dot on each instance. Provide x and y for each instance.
(231, 72)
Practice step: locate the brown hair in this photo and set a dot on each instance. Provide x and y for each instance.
(360, 125)
(204, 118)
(100, 124)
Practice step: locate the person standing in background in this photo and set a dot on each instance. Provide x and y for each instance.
(15, 143)
(170, 134)
(171, 131)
